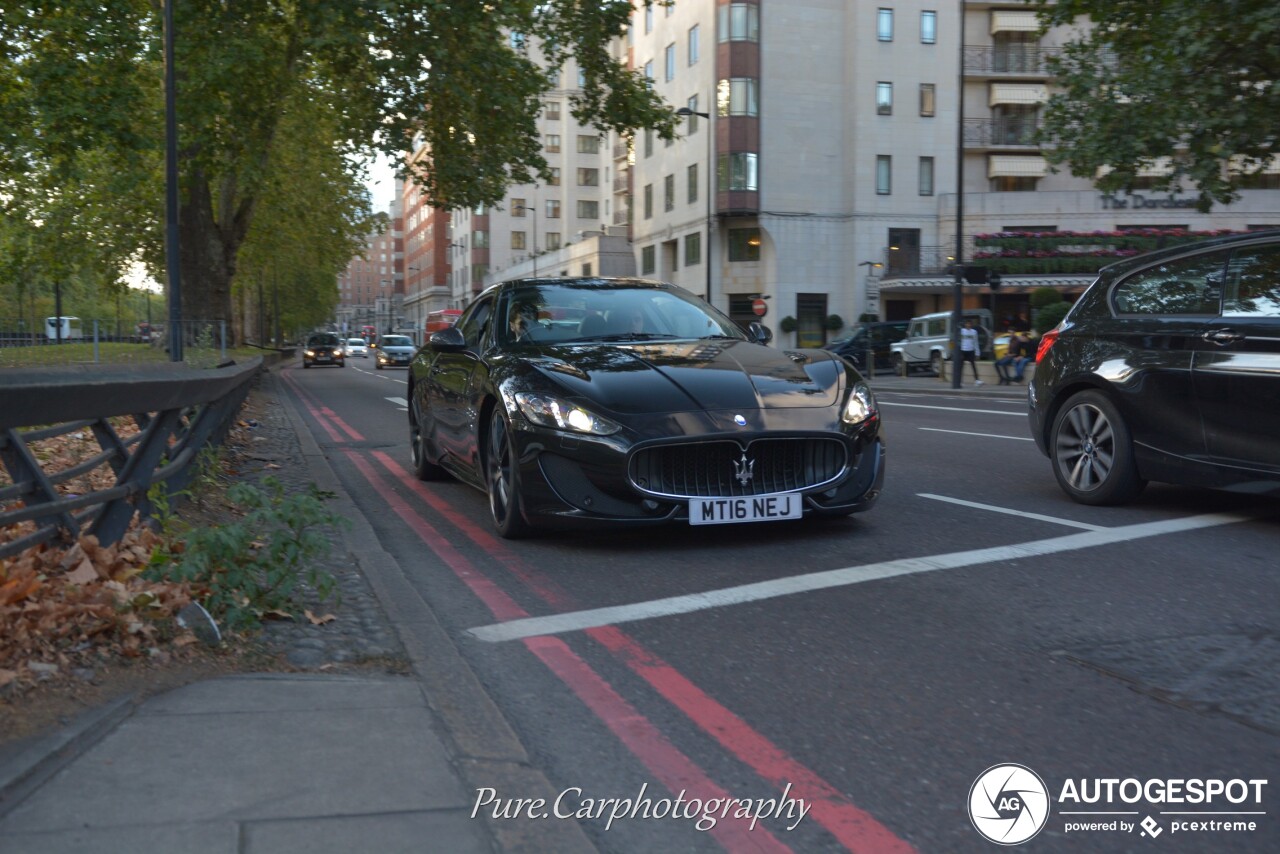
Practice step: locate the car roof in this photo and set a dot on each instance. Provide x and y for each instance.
(1210, 243)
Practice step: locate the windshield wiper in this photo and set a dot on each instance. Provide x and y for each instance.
(627, 336)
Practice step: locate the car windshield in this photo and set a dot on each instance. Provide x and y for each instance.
(323, 340)
(583, 311)
(355, 342)
(396, 341)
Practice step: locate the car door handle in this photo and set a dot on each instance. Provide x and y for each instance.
(1222, 337)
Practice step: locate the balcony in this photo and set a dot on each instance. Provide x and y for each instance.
(1012, 61)
(621, 180)
(1000, 133)
(622, 216)
(620, 149)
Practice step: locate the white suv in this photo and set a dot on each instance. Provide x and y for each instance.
(928, 341)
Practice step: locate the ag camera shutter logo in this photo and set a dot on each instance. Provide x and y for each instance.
(1008, 804)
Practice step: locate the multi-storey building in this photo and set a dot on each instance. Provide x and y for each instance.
(371, 289)
(426, 252)
(840, 133)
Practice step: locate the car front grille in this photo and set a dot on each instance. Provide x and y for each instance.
(726, 469)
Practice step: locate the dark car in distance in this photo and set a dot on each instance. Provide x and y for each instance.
(1167, 369)
(324, 348)
(870, 335)
(588, 401)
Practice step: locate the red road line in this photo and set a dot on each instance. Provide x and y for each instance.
(328, 413)
(855, 828)
(303, 398)
(645, 741)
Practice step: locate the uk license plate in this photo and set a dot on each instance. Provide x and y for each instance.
(757, 508)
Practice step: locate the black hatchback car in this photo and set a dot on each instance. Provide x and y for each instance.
(324, 348)
(874, 336)
(1167, 369)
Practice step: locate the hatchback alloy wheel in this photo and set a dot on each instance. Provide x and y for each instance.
(1093, 452)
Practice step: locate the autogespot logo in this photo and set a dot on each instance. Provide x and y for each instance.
(1008, 804)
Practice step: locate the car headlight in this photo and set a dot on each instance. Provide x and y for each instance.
(860, 407)
(310, 352)
(547, 411)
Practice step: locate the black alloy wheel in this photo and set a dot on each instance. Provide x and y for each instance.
(1092, 452)
(502, 478)
(423, 468)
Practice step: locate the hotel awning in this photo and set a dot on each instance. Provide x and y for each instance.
(1016, 166)
(1018, 93)
(1157, 168)
(1014, 22)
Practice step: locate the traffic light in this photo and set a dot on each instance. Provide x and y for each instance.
(975, 274)
(993, 280)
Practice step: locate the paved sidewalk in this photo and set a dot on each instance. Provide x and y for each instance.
(291, 762)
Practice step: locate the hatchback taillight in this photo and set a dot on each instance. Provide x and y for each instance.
(1046, 341)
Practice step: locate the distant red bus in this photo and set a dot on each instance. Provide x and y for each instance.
(442, 319)
(369, 333)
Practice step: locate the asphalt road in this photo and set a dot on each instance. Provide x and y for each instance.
(874, 667)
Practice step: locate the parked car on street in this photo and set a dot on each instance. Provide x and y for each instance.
(1168, 369)
(394, 350)
(876, 336)
(928, 341)
(323, 348)
(584, 401)
(357, 347)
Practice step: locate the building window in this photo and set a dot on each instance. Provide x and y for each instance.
(517, 239)
(928, 27)
(555, 177)
(739, 22)
(692, 45)
(648, 260)
(648, 201)
(737, 97)
(648, 142)
(588, 177)
(744, 244)
(669, 61)
(552, 208)
(884, 25)
(517, 207)
(480, 239)
(693, 249)
(648, 19)
(586, 269)
(588, 210)
(551, 142)
(884, 174)
(1016, 184)
(669, 193)
(588, 144)
(553, 240)
(926, 176)
(551, 110)
(737, 172)
(517, 41)
(884, 99)
(928, 92)
(648, 70)
(691, 181)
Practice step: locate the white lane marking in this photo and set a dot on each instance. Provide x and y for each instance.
(967, 433)
(596, 617)
(994, 509)
(399, 401)
(950, 408)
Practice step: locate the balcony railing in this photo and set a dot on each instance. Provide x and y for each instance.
(620, 149)
(621, 216)
(1016, 60)
(999, 133)
(621, 180)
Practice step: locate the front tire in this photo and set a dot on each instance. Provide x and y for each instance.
(1092, 452)
(935, 362)
(423, 468)
(502, 478)
(900, 365)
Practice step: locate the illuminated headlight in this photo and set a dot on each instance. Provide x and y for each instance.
(860, 407)
(547, 411)
(311, 352)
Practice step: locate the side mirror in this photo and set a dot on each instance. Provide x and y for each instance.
(760, 333)
(449, 340)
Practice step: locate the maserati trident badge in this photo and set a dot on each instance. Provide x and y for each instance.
(743, 469)
(740, 421)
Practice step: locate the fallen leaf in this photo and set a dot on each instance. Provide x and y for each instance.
(83, 574)
(319, 621)
(7, 676)
(276, 614)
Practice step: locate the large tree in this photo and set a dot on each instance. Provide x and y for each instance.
(81, 86)
(1190, 80)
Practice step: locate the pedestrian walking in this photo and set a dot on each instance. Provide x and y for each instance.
(969, 349)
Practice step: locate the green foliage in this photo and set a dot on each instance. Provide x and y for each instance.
(1050, 316)
(835, 322)
(788, 324)
(246, 568)
(868, 317)
(1166, 78)
(1042, 297)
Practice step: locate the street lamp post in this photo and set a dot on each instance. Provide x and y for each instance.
(533, 211)
(957, 288)
(686, 113)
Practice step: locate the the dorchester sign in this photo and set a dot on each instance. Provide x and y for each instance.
(1136, 201)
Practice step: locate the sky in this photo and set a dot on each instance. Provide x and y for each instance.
(381, 180)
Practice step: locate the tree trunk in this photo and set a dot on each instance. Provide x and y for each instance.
(208, 246)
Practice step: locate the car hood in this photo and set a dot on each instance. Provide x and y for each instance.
(692, 375)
